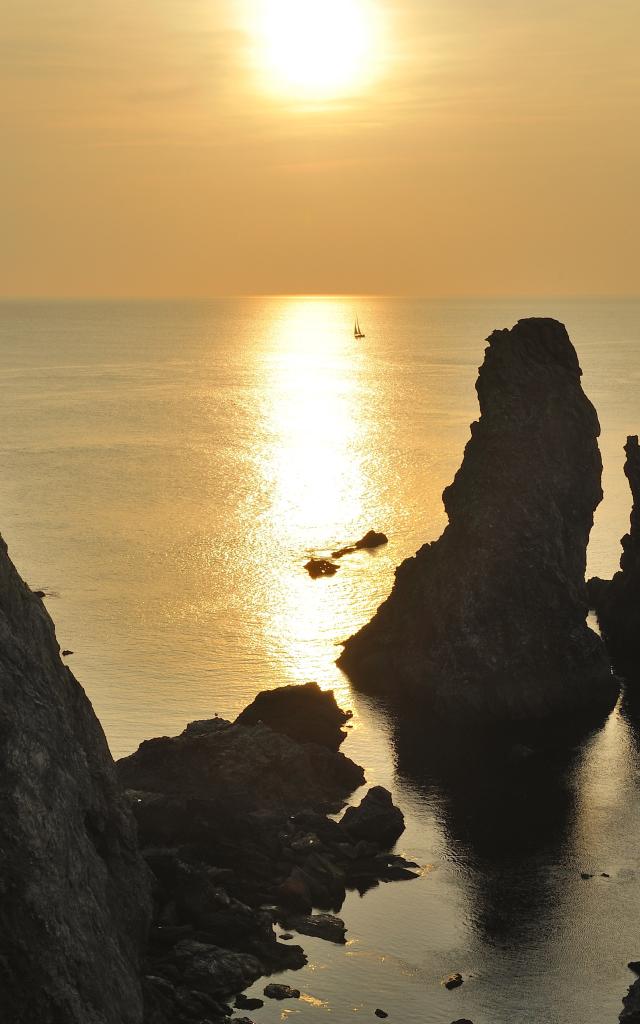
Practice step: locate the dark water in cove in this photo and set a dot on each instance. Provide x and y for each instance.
(166, 469)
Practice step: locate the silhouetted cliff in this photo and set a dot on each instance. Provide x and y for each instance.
(492, 616)
(74, 903)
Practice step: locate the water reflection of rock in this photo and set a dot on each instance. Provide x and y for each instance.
(508, 807)
(630, 709)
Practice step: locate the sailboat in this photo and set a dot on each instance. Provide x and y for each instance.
(357, 331)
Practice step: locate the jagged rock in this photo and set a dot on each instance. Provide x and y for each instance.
(234, 818)
(212, 970)
(375, 820)
(305, 713)
(237, 767)
(617, 601)
(317, 567)
(491, 617)
(75, 903)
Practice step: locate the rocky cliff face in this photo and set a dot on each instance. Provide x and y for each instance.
(74, 902)
(491, 617)
(617, 601)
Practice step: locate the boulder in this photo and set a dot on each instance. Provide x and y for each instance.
(75, 902)
(323, 926)
(305, 713)
(375, 820)
(275, 991)
(491, 618)
(453, 981)
(617, 601)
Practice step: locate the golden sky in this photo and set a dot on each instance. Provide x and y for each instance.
(427, 147)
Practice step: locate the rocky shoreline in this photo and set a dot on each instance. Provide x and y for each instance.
(149, 892)
(233, 823)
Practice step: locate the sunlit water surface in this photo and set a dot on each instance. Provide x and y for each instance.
(167, 470)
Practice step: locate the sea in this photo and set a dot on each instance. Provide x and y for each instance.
(166, 469)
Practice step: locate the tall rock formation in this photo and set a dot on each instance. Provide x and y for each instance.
(617, 601)
(492, 616)
(74, 897)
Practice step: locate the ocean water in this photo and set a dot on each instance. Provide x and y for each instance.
(165, 472)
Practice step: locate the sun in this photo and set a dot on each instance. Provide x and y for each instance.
(317, 49)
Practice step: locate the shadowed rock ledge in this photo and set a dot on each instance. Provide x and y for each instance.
(492, 616)
(74, 891)
(617, 601)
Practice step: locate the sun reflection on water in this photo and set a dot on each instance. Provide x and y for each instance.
(313, 465)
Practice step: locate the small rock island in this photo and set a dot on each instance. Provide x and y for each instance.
(491, 618)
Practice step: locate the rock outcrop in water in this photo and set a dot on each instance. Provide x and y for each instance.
(233, 822)
(233, 819)
(303, 712)
(617, 601)
(74, 891)
(492, 616)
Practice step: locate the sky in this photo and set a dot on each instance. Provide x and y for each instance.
(175, 148)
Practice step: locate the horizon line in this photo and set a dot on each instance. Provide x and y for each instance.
(469, 297)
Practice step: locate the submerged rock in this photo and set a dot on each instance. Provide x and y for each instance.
(491, 617)
(304, 712)
(75, 902)
(617, 601)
